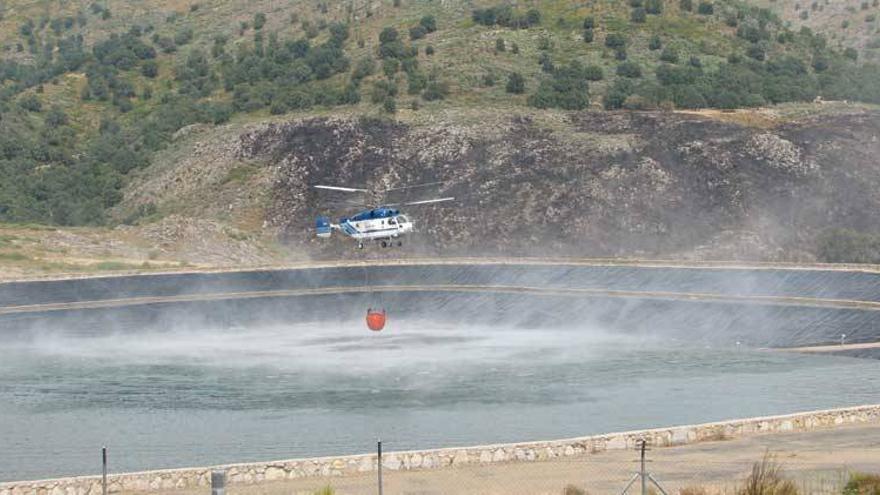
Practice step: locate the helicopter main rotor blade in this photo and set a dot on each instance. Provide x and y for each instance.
(424, 202)
(343, 189)
(414, 186)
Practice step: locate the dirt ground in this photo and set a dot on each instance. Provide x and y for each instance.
(819, 462)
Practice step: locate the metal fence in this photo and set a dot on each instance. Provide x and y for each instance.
(642, 471)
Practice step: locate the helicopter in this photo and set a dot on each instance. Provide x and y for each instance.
(385, 223)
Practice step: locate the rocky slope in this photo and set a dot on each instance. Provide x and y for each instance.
(633, 184)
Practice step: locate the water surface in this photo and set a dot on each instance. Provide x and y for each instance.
(197, 397)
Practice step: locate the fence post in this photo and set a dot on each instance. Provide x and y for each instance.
(218, 482)
(104, 470)
(380, 467)
(642, 471)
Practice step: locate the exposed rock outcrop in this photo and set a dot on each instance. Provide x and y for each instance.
(597, 184)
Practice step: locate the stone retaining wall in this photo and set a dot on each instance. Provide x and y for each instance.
(253, 473)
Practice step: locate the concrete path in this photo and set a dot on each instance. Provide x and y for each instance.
(818, 461)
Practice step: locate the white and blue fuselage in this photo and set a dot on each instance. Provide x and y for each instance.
(370, 225)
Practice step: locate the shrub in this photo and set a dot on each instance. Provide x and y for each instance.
(638, 15)
(382, 90)
(328, 490)
(429, 23)
(656, 43)
(55, 117)
(546, 62)
(259, 20)
(390, 66)
(429, 50)
(636, 102)
(30, 103)
(278, 108)
(706, 8)
(851, 53)
(693, 490)
(617, 94)
(504, 15)
(150, 69)
(417, 32)
(767, 478)
(686, 5)
(436, 90)
(183, 36)
(489, 79)
(364, 68)
(589, 22)
(629, 69)
(756, 52)
(499, 45)
(567, 90)
(514, 48)
(588, 35)
(615, 40)
(593, 73)
(389, 105)
(388, 35)
(654, 7)
(516, 83)
(620, 54)
(573, 490)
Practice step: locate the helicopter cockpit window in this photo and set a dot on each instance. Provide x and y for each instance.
(392, 221)
(402, 219)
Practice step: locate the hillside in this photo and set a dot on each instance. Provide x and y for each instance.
(128, 116)
(846, 23)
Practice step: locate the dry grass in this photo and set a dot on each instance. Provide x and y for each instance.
(767, 478)
(862, 484)
(573, 490)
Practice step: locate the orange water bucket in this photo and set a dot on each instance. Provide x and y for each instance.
(375, 320)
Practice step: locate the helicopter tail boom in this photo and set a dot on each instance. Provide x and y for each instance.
(323, 227)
